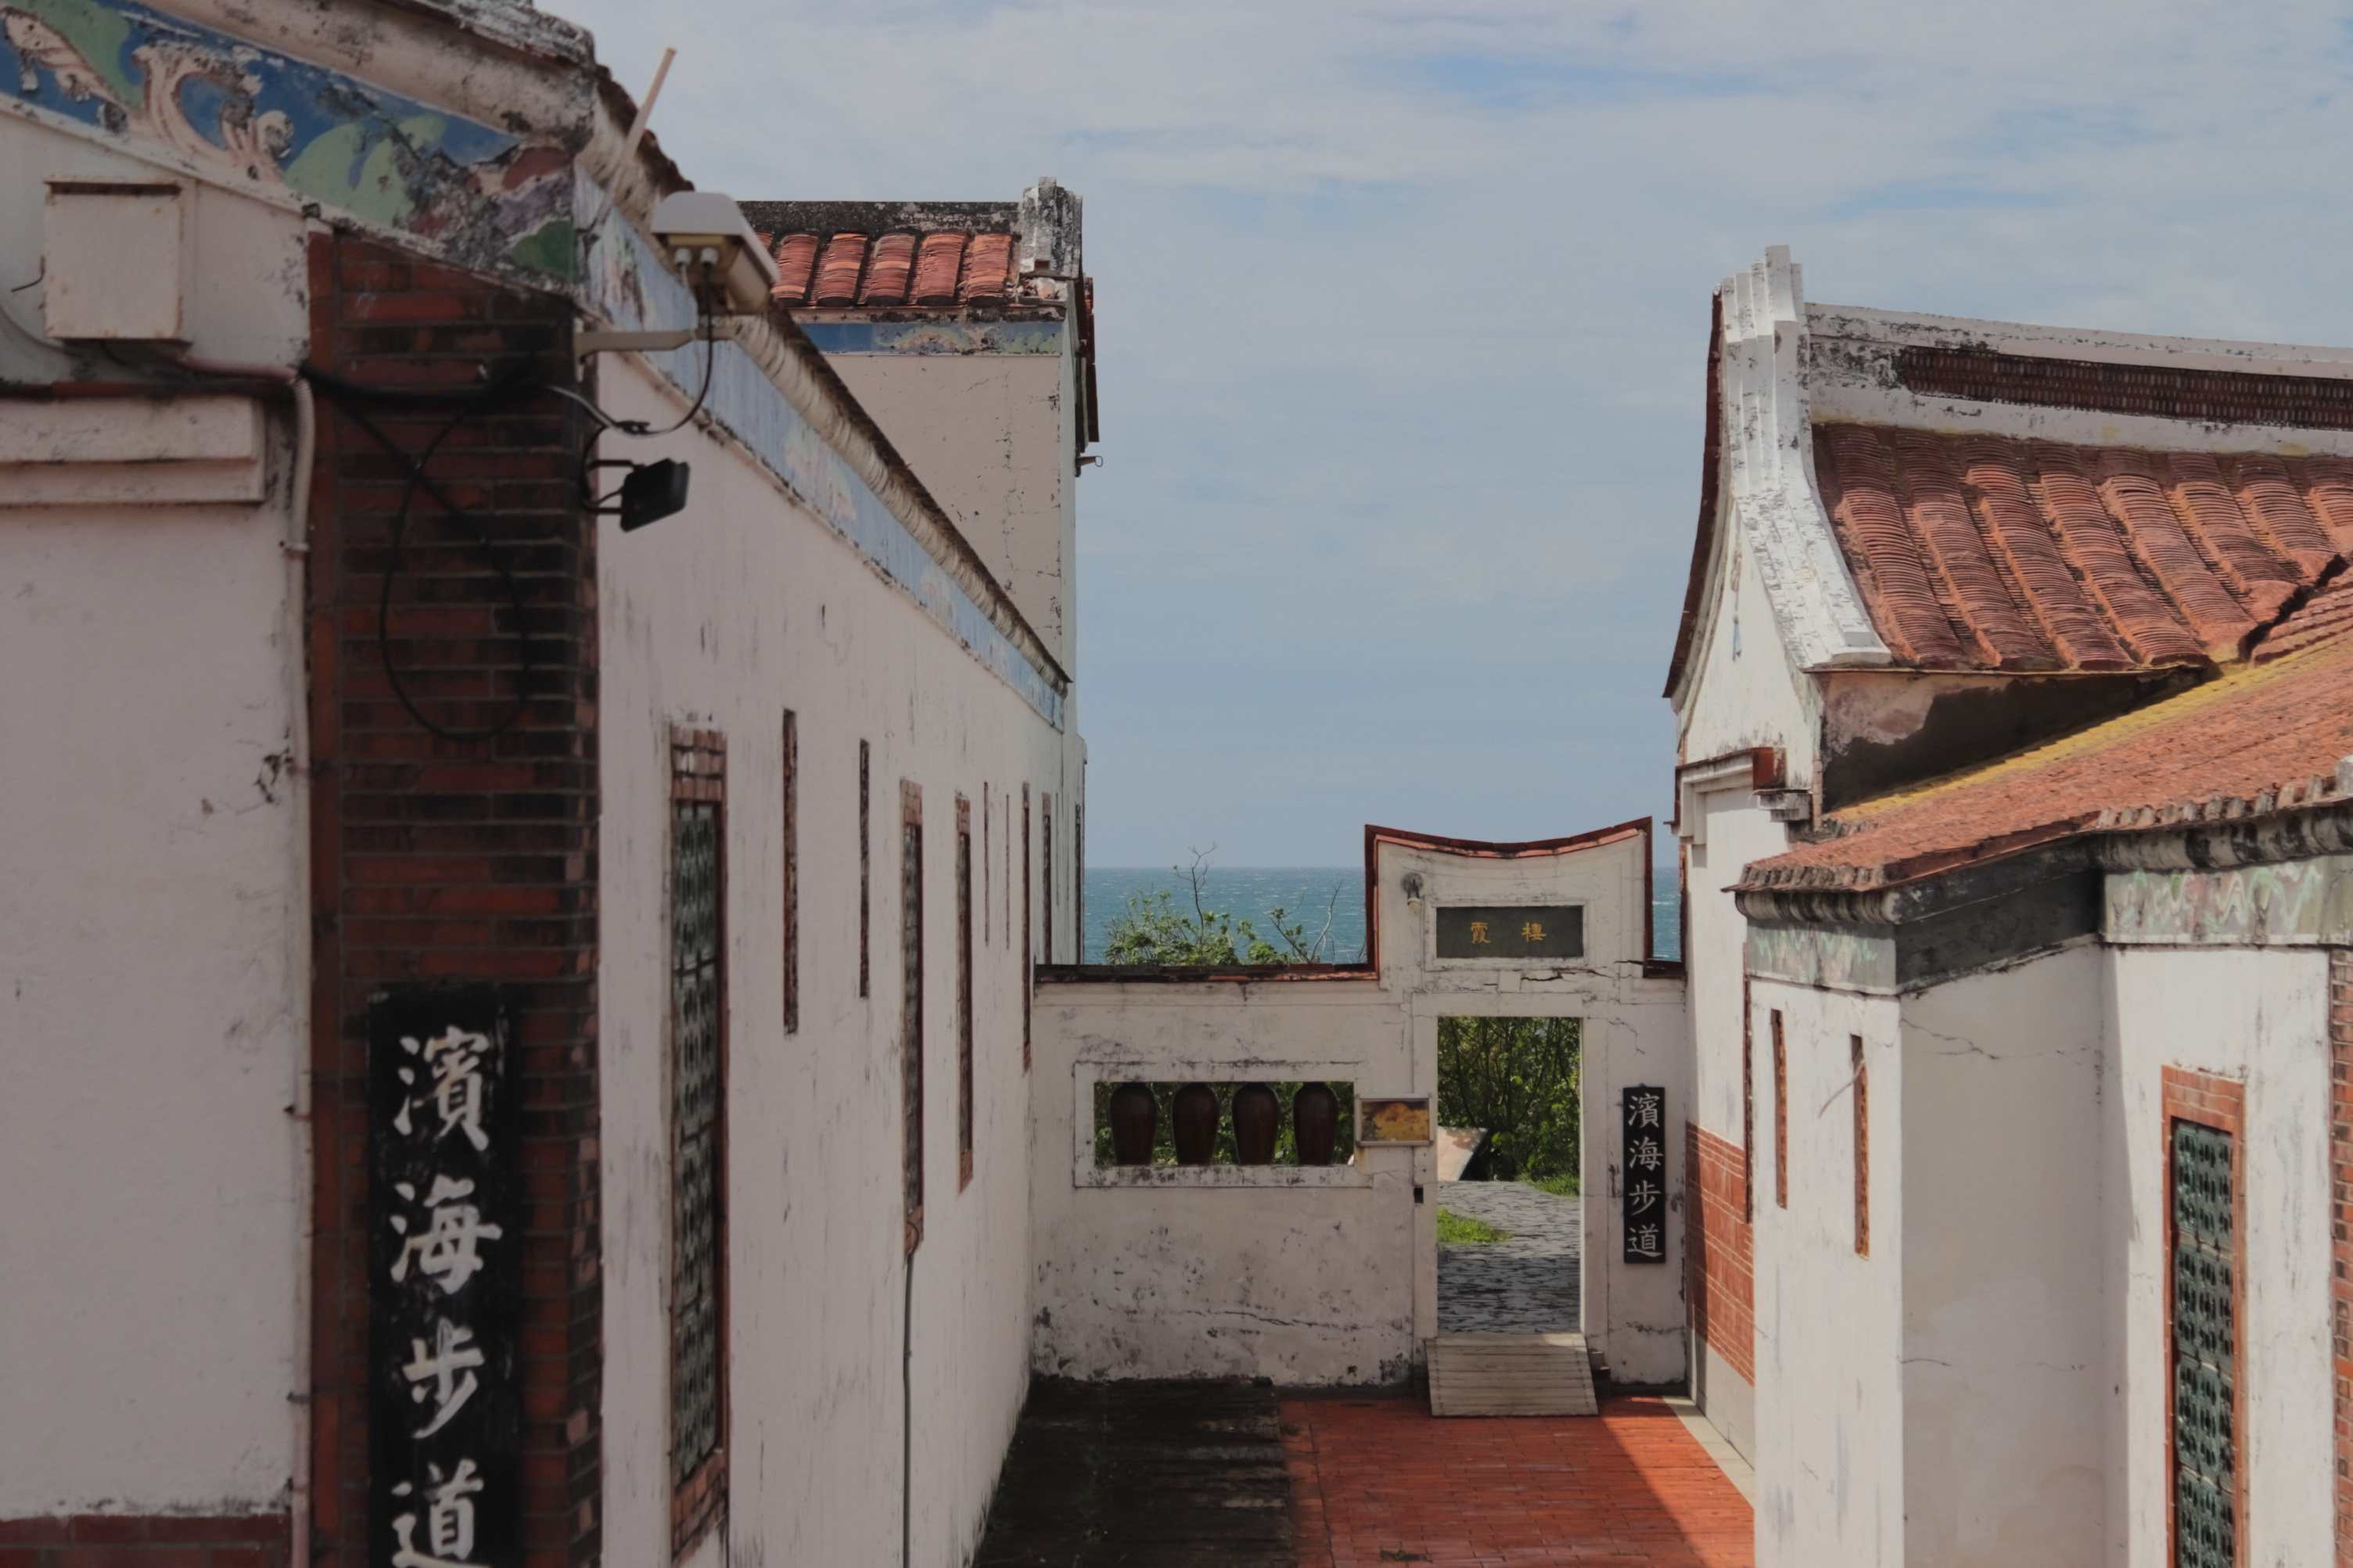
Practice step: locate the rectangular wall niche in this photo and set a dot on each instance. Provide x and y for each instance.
(1224, 1147)
(1520, 930)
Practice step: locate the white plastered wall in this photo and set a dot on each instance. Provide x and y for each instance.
(1830, 1334)
(2006, 1376)
(721, 617)
(1745, 694)
(1335, 1279)
(990, 436)
(152, 1023)
(2258, 1015)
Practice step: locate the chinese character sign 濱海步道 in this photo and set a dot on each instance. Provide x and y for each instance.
(1643, 1190)
(445, 1420)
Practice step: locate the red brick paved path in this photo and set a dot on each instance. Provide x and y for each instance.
(1380, 1481)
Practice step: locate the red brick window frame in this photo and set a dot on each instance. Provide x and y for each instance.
(2208, 1100)
(1780, 1113)
(1861, 1145)
(963, 993)
(911, 1004)
(697, 1074)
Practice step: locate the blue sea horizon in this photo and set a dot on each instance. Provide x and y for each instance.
(1327, 900)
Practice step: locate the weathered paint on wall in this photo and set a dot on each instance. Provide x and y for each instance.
(150, 1023)
(1994, 1168)
(990, 434)
(2299, 901)
(181, 95)
(1336, 1281)
(723, 617)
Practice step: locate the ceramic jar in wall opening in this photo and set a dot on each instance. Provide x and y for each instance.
(1315, 1123)
(1194, 1121)
(1257, 1119)
(1135, 1122)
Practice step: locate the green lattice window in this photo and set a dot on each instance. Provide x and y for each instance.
(2205, 1350)
(694, 993)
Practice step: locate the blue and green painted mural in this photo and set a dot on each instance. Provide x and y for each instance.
(221, 109)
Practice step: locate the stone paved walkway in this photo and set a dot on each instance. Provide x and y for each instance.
(1523, 1286)
(1377, 1481)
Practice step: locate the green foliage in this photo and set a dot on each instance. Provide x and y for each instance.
(1164, 1136)
(1151, 929)
(1560, 1186)
(1521, 1078)
(1461, 1230)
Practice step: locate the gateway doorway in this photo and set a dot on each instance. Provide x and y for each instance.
(1511, 1218)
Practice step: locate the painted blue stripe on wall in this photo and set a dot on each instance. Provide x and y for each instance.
(935, 337)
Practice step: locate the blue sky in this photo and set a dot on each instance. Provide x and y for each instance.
(1403, 311)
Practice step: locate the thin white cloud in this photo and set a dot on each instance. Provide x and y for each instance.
(1403, 311)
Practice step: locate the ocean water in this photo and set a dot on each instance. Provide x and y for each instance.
(1307, 895)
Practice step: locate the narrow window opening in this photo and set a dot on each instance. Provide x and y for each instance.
(1780, 1114)
(1748, 1105)
(1861, 1147)
(964, 993)
(911, 1021)
(1028, 974)
(1046, 828)
(865, 872)
(792, 811)
(987, 899)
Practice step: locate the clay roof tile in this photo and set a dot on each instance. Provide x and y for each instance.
(837, 271)
(795, 256)
(886, 280)
(938, 267)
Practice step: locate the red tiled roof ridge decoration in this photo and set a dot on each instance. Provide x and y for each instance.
(933, 270)
(2265, 737)
(2014, 554)
(2108, 387)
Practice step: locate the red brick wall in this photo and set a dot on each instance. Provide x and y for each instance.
(437, 859)
(2340, 1229)
(145, 1541)
(1719, 1259)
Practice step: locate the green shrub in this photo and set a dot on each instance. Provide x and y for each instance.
(1522, 1079)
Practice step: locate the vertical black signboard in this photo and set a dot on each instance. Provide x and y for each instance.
(445, 1283)
(1642, 1192)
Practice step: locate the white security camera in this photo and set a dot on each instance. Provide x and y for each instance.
(707, 238)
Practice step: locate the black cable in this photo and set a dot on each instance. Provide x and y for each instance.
(352, 398)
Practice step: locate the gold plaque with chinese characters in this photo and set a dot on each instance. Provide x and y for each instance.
(1527, 930)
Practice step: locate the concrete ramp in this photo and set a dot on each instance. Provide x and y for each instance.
(1511, 1375)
